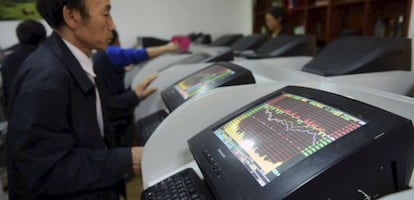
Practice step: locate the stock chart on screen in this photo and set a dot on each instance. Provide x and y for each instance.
(275, 135)
(203, 81)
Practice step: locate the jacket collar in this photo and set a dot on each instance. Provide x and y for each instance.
(57, 45)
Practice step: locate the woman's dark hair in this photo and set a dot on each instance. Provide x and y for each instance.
(115, 37)
(278, 13)
(52, 10)
(31, 32)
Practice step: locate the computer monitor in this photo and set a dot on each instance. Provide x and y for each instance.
(361, 54)
(226, 40)
(216, 75)
(202, 57)
(147, 41)
(284, 46)
(225, 55)
(191, 58)
(249, 42)
(303, 143)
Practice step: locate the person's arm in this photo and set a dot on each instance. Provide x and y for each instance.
(109, 86)
(142, 90)
(133, 97)
(136, 159)
(156, 51)
(121, 57)
(112, 82)
(128, 99)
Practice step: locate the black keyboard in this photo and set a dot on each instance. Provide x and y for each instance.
(147, 125)
(184, 185)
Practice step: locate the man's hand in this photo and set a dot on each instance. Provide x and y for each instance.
(136, 159)
(142, 91)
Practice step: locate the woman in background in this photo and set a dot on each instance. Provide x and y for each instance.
(275, 21)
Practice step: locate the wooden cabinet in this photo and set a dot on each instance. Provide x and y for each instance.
(260, 8)
(328, 19)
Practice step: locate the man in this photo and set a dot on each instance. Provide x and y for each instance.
(30, 34)
(56, 130)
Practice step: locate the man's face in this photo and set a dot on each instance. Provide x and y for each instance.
(95, 31)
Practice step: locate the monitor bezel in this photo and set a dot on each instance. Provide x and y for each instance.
(173, 98)
(245, 186)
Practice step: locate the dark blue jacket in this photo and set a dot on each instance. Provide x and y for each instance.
(12, 64)
(54, 143)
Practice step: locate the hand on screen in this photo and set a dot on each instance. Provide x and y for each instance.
(143, 90)
(136, 159)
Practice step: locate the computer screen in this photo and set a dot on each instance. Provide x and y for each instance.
(216, 75)
(202, 57)
(249, 42)
(361, 54)
(304, 143)
(203, 81)
(284, 46)
(275, 135)
(190, 59)
(225, 55)
(193, 58)
(226, 40)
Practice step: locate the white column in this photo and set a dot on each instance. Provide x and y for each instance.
(411, 34)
